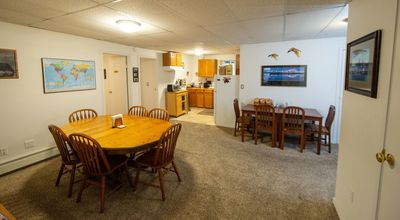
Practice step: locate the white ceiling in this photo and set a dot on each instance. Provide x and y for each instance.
(218, 26)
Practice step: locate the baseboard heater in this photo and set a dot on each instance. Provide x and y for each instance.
(27, 160)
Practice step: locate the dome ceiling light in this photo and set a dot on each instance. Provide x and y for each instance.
(128, 26)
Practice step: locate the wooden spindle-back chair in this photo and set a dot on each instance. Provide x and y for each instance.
(265, 121)
(159, 113)
(293, 123)
(82, 114)
(138, 111)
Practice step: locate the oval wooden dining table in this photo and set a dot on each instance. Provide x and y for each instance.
(139, 134)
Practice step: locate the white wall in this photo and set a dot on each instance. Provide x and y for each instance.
(169, 77)
(25, 110)
(364, 118)
(323, 57)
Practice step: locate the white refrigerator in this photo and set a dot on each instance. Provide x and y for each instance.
(226, 89)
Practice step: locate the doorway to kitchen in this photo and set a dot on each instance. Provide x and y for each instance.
(115, 84)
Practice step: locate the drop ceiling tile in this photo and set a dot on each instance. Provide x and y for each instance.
(233, 33)
(70, 29)
(102, 20)
(265, 30)
(307, 25)
(295, 6)
(45, 8)
(140, 41)
(18, 17)
(337, 28)
(205, 12)
(152, 12)
(256, 9)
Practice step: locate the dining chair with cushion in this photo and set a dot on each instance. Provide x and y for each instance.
(138, 111)
(293, 124)
(241, 122)
(97, 167)
(312, 129)
(159, 113)
(265, 121)
(69, 159)
(161, 158)
(82, 114)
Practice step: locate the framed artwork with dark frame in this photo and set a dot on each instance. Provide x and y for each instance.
(362, 64)
(135, 72)
(8, 64)
(284, 75)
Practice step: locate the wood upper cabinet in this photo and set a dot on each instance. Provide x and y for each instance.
(207, 67)
(209, 98)
(172, 59)
(237, 64)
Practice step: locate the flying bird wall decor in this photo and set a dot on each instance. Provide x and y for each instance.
(295, 51)
(274, 56)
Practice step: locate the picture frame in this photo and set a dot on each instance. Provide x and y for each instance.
(67, 75)
(8, 64)
(362, 64)
(284, 75)
(135, 74)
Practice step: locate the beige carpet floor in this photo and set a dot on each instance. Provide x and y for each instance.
(223, 178)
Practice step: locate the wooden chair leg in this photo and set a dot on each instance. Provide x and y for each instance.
(78, 199)
(160, 177)
(71, 180)
(255, 136)
(273, 134)
(176, 171)
(236, 125)
(103, 193)
(282, 141)
(302, 143)
(329, 143)
(60, 173)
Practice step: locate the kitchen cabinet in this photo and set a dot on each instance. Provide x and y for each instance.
(201, 97)
(237, 64)
(207, 67)
(176, 103)
(172, 59)
(209, 98)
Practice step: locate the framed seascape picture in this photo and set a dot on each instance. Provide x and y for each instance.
(284, 75)
(362, 64)
(8, 64)
(63, 75)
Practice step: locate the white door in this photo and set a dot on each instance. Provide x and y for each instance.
(388, 208)
(116, 92)
(148, 83)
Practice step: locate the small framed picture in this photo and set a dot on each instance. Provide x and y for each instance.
(8, 64)
(135, 72)
(362, 64)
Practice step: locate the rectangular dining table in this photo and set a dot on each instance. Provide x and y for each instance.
(309, 114)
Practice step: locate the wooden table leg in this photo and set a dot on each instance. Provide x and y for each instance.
(319, 136)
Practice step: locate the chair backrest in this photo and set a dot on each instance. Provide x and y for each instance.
(82, 114)
(236, 107)
(159, 113)
(293, 118)
(90, 154)
(265, 116)
(138, 111)
(63, 144)
(166, 145)
(331, 116)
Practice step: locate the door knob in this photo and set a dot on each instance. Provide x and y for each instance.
(390, 159)
(380, 157)
(110, 92)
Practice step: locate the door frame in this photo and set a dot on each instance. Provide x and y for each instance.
(128, 67)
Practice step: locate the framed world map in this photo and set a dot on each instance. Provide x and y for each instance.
(63, 75)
